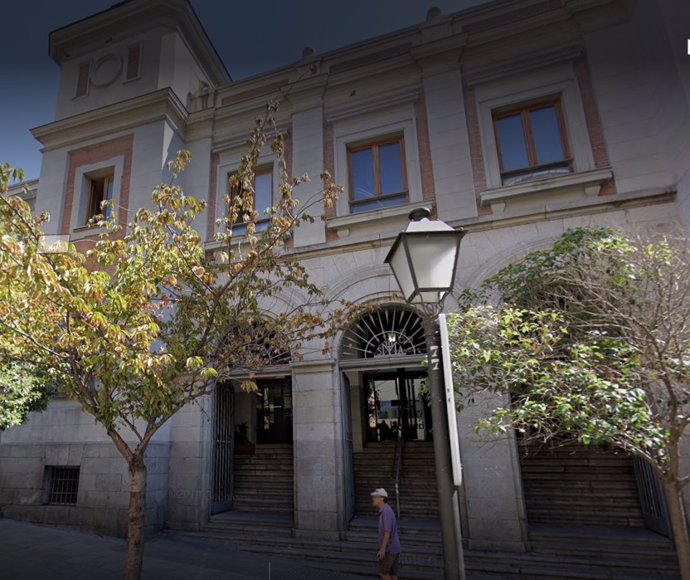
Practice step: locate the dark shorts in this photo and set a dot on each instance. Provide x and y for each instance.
(389, 565)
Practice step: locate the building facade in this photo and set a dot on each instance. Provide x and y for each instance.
(516, 120)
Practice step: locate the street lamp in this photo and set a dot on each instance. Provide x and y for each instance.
(424, 260)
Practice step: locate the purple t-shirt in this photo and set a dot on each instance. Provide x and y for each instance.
(387, 523)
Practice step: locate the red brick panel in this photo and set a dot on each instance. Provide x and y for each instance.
(522, 13)
(94, 154)
(370, 58)
(595, 128)
(133, 57)
(592, 118)
(475, 137)
(426, 167)
(212, 196)
(329, 160)
(259, 91)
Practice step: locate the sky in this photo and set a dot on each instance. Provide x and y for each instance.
(250, 36)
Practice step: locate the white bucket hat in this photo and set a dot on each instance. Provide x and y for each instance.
(380, 492)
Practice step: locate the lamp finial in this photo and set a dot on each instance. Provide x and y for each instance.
(419, 214)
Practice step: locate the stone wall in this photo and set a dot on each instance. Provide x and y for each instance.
(103, 494)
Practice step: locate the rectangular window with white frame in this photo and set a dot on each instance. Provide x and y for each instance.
(377, 174)
(376, 158)
(534, 133)
(532, 141)
(94, 184)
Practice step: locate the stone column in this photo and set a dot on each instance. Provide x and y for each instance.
(307, 157)
(317, 433)
(494, 511)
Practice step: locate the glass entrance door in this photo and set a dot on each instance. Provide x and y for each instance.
(395, 406)
(274, 412)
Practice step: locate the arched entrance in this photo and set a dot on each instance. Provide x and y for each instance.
(388, 427)
(252, 440)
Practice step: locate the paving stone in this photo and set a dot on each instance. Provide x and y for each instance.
(34, 552)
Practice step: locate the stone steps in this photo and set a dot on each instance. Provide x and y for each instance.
(556, 552)
(271, 535)
(263, 481)
(375, 467)
(574, 484)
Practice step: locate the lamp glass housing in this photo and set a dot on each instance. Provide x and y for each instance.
(424, 258)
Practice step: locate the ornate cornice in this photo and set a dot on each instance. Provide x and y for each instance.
(162, 104)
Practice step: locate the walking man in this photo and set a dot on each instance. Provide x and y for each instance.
(389, 542)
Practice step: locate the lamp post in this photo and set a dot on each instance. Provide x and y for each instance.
(424, 260)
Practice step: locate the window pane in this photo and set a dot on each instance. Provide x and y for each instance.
(263, 193)
(362, 174)
(379, 203)
(390, 168)
(108, 196)
(232, 191)
(511, 137)
(97, 196)
(546, 134)
(97, 190)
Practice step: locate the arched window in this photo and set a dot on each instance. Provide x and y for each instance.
(256, 345)
(389, 331)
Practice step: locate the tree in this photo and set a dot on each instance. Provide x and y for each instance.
(147, 320)
(589, 339)
(21, 388)
(21, 391)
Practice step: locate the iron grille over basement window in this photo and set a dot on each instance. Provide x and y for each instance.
(63, 485)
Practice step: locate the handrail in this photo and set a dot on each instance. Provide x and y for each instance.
(398, 463)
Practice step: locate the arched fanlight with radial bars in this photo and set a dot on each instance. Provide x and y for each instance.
(385, 332)
(256, 345)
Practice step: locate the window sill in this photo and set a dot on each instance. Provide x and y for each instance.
(342, 224)
(590, 181)
(86, 232)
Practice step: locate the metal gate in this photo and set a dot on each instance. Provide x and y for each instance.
(654, 511)
(348, 464)
(223, 432)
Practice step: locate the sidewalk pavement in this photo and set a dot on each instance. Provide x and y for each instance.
(35, 552)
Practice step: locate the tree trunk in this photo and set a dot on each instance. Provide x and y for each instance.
(679, 527)
(135, 517)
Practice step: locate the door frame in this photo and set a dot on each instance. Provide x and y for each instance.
(401, 375)
(348, 448)
(284, 384)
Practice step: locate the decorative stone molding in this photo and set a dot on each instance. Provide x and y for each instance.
(106, 70)
(590, 181)
(345, 223)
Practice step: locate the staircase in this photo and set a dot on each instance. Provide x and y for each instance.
(626, 551)
(375, 467)
(263, 482)
(557, 552)
(574, 485)
(418, 491)
(271, 535)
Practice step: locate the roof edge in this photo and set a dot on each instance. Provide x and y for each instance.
(118, 15)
